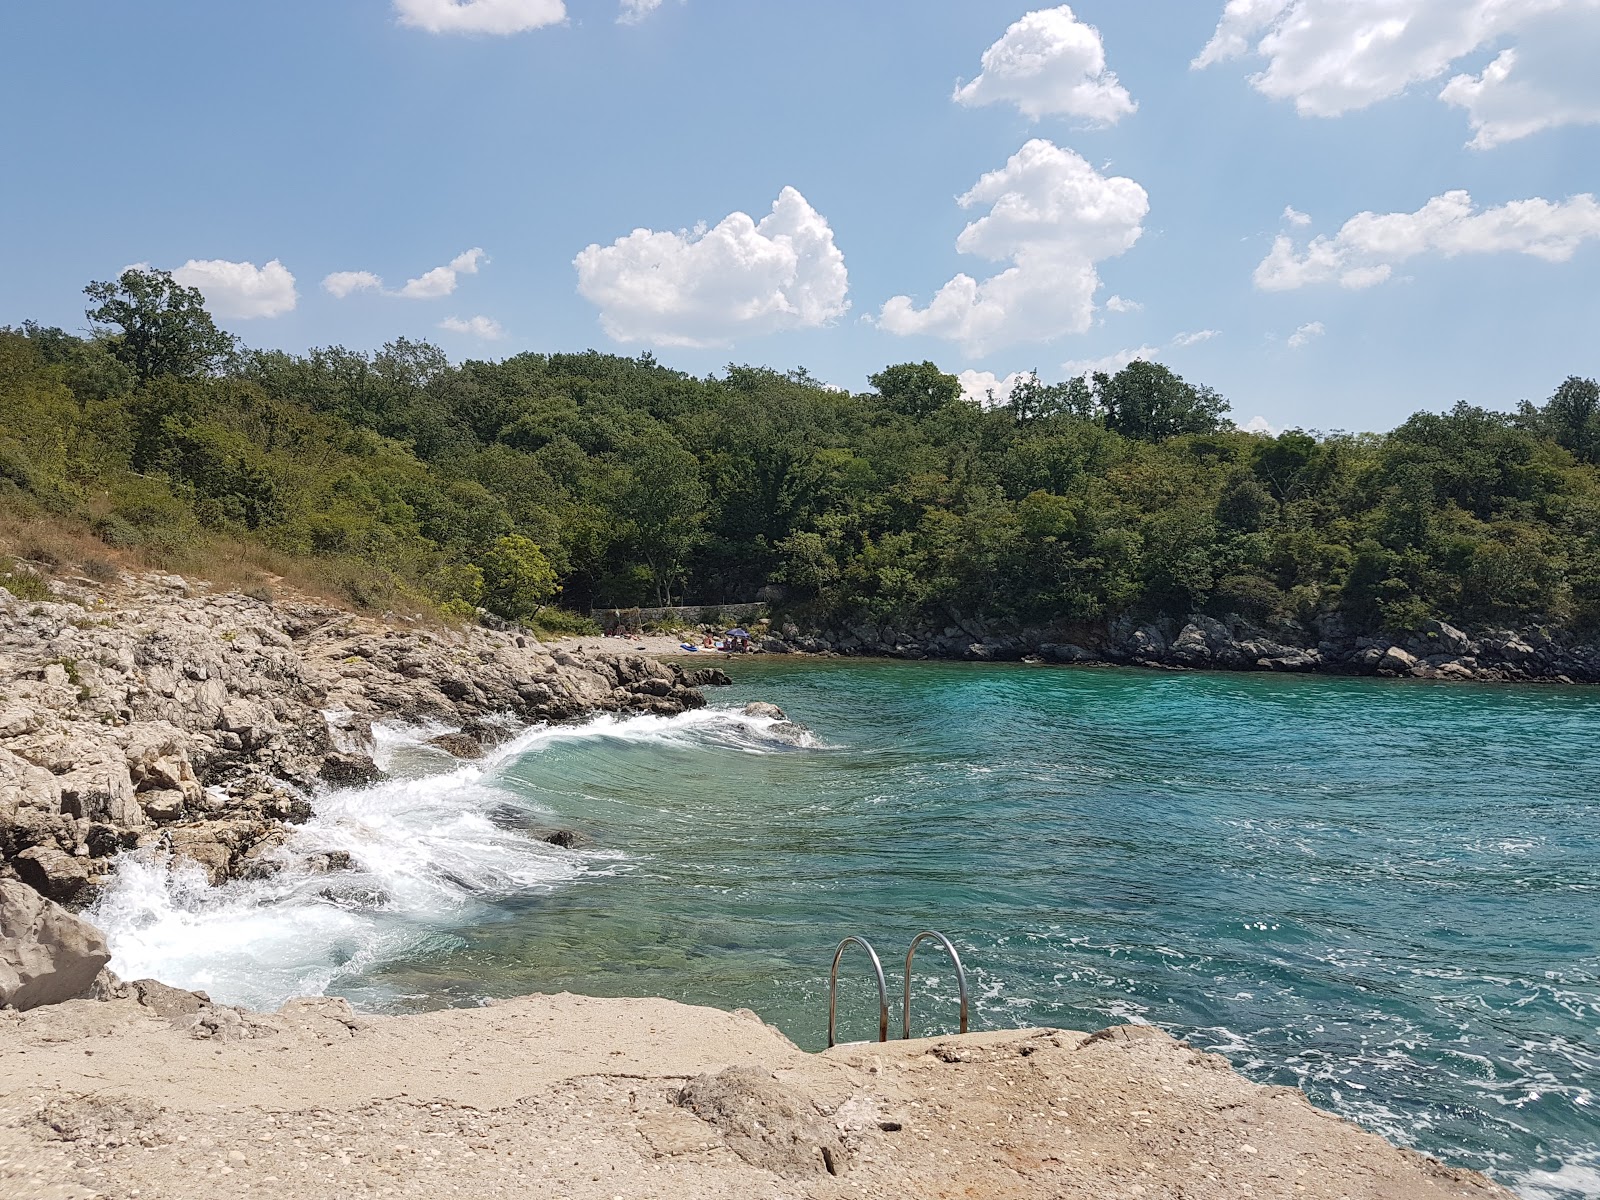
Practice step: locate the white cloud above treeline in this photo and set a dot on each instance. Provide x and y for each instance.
(241, 290)
(486, 328)
(1366, 249)
(1334, 56)
(480, 16)
(1053, 217)
(711, 286)
(430, 285)
(1049, 63)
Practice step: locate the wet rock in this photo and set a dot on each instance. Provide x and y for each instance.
(47, 955)
(462, 745)
(770, 1126)
(325, 862)
(349, 770)
(760, 708)
(705, 677)
(567, 839)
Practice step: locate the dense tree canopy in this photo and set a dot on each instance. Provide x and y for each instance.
(595, 480)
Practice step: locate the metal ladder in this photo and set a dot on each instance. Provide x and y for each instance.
(883, 987)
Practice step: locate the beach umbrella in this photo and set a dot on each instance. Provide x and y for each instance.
(738, 633)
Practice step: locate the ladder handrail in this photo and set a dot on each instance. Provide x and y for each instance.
(961, 979)
(883, 988)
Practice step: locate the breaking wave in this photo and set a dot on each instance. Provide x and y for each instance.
(431, 849)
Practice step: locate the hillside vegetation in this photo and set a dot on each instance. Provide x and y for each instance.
(579, 480)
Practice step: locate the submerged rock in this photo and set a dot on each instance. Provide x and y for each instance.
(567, 839)
(760, 708)
(47, 955)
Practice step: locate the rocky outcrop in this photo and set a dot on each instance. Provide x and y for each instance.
(154, 714)
(47, 955)
(768, 1125)
(1201, 642)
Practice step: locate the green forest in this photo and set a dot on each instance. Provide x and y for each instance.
(546, 485)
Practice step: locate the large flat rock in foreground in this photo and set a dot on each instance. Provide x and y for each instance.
(568, 1096)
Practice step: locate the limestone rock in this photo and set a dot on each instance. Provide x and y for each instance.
(1397, 660)
(760, 708)
(765, 1123)
(47, 955)
(54, 873)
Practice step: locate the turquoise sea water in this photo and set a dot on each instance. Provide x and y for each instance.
(1384, 892)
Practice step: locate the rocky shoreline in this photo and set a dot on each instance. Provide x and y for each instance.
(154, 714)
(1536, 654)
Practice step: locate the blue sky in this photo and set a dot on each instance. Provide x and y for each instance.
(1123, 174)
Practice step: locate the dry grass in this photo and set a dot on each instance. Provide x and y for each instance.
(55, 546)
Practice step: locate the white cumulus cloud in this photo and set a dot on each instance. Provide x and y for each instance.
(1053, 217)
(1365, 250)
(988, 390)
(708, 287)
(241, 289)
(1333, 56)
(486, 328)
(1049, 63)
(1306, 334)
(345, 283)
(430, 285)
(634, 11)
(1110, 364)
(1294, 216)
(1259, 425)
(1119, 304)
(480, 16)
(441, 281)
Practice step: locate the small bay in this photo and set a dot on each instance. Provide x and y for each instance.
(1384, 892)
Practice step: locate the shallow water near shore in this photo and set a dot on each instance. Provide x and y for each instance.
(1384, 892)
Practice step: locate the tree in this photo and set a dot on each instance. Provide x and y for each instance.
(665, 503)
(916, 389)
(164, 326)
(517, 578)
(1150, 403)
(1572, 417)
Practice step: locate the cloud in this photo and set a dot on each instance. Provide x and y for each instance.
(430, 285)
(1333, 56)
(634, 11)
(1364, 251)
(241, 289)
(480, 16)
(486, 328)
(1110, 364)
(1542, 84)
(441, 281)
(1194, 339)
(988, 390)
(1306, 334)
(344, 283)
(1050, 64)
(708, 287)
(1259, 425)
(1053, 217)
(1295, 217)
(1119, 305)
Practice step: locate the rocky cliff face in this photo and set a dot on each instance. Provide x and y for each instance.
(153, 713)
(1437, 651)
